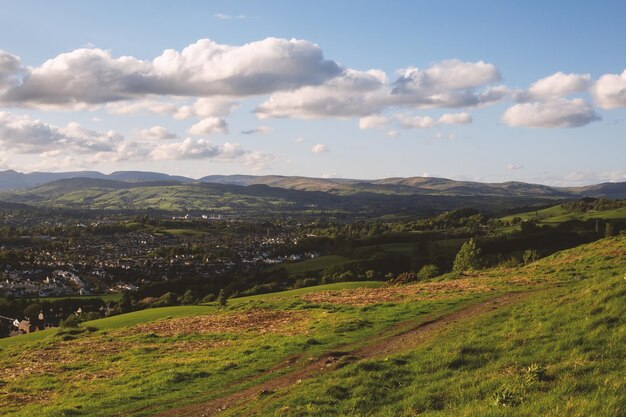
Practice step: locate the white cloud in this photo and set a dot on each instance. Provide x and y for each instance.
(261, 130)
(224, 16)
(419, 122)
(448, 84)
(154, 133)
(140, 106)
(514, 167)
(550, 114)
(11, 71)
(558, 85)
(299, 140)
(203, 107)
(448, 75)
(21, 134)
(454, 119)
(197, 149)
(90, 76)
(354, 93)
(258, 161)
(375, 120)
(209, 126)
(320, 148)
(392, 133)
(609, 92)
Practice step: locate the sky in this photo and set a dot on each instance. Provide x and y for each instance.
(490, 91)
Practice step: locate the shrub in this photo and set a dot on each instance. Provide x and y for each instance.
(166, 300)
(188, 298)
(222, 299)
(72, 321)
(403, 278)
(209, 298)
(530, 255)
(428, 271)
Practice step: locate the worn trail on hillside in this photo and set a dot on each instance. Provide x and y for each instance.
(399, 338)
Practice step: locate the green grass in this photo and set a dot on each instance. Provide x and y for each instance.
(557, 214)
(573, 330)
(560, 352)
(307, 290)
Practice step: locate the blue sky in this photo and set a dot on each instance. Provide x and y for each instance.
(450, 94)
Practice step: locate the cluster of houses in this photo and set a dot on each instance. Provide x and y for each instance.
(36, 283)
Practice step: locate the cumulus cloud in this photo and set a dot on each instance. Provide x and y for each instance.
(414, 122)
(550, 114)
(299, 140)
(78, 147)
(373, 121)
(261, 130)
(447, 75)
(515, 167)
(11, 71)
(449, 84)
(203, 107)
(209, 126)
(197, 149)
(141, 106)
(155, 133)
(258, 161)
(89, 76)
(320, 148)
(21, 134)
(609, 92)
(354, 93)
(558, 85)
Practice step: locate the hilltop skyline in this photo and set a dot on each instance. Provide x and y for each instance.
(493, 92)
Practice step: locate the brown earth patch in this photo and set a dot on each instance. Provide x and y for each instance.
(12, 399)
(401, 337)
(260, 320)
(404, 293)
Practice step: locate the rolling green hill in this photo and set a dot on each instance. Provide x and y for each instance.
(544, 339)
(259, 199)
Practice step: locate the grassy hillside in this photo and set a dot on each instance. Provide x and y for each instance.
(558, 214)
(261, 199)
(451, 346)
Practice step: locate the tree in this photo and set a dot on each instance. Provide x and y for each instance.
(608, 230)
(468, 257)
(221, 298)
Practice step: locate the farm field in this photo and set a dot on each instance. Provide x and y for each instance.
(362, 350)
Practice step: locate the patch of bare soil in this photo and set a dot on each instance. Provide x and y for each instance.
(401, 294)
(402, 337)
(260, 321)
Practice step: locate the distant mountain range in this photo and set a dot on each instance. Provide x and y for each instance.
(13, 180)
(272, 194)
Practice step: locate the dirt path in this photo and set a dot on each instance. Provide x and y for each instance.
(401, 337)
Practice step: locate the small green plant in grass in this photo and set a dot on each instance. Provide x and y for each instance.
(535, 373)
(530, 255)
(505, 397)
